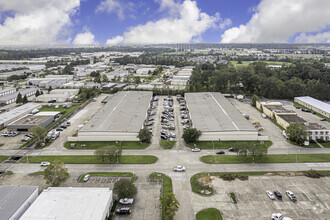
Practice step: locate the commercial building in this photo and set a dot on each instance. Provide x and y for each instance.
(15, 200)
(217, 119)
(16, 113)
(316, 105)
(70, 92)
(49, 82)
(117, 73)
(68, 203)
(53, 97)
(119, 120)
(6, 75)
(29, 121)
(109, 86)
(11, 98)
(7, 91)
(145, 71)
(271, 109)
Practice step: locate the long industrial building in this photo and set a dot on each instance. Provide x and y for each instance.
(119, 120)
(314, 104)
(217, 119)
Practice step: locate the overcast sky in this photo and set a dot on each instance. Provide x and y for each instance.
(84, 22)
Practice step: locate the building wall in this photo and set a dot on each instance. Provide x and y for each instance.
(25, 206)
(319, 134)
(106, 136)
(7, 92)
(326, 114)
(47, 98)
(284, 124)
(230, 136)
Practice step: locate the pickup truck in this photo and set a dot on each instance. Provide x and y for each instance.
(55, 135)
(126, 201)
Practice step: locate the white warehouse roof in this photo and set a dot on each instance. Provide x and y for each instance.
(68, 203)
(314, 102)
(27, 108)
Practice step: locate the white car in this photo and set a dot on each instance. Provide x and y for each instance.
(279, 216)
(195, 150)
(179, 169)
(44, 163)
(270, 195)
(86, 178)
(126, 201)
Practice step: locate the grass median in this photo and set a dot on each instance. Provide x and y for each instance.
(224, 144)
(166, 145)
(113, 174)
(209, 214)
(2, 158)
(89, 145)
(90, 159)
(2, 145)
(274, 158)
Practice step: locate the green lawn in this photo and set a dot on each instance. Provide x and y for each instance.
(91, 159)
(170, 145)
(1, 145)
(223, 144)
(209, 214)
(87, 145)
(2, 158)
(279, 158)
(38, 173)
(326, 144)
(115, 174)
(198, 187)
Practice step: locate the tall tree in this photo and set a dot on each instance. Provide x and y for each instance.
(37, 93)
(19, 99)
(55, 173)
(255, 98)
(296, 132)
(39, 133)
(25, 99)
(145, 135)
(170, 205)
(124, 188)
(191, 135)
(50, 89)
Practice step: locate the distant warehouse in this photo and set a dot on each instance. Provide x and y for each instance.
(11, 98)
(119, 120)
(217, 119)
(314, 104)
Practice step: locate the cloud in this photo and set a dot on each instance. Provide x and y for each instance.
(85, 38)
(115, 6)
(275, 21)
(185, 26)
(36, 22)
(115, 40)
(310, 38)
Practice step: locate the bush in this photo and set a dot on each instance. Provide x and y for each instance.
(242, 177)
(233, 197)
(227, 177)
(312, 174)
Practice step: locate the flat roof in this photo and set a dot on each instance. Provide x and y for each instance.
(7, 116)
(12, 198)
(6, 90)
(14, 94)
(292, 118)
(124, 112)
(29, 120)
(278, 109)
(316, 103)
(68, 203)
(211, 111)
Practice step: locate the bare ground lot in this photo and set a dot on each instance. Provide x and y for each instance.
(253, 203)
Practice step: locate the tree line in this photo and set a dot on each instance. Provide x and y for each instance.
(299, 79)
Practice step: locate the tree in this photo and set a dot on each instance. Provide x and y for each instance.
(50, 89)
(257, 150)
(145, 135)
(101, 153)
(40, 134)
(296, 132)
(37, 93)
(255, 98)
(111, 152)
(191, 135)
(170, 205)
(19, 99)
(25, 99)
(124, 188)
(105, 78)
(242, 149)
(137, 79)
(55, 173)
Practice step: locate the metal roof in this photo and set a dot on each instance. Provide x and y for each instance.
(316, 103)
(14, 95)
(27, 108)
(12, 198)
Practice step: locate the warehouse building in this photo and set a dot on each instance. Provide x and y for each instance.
(68, 203)
(30, 121)
(316, 105)
(54, 98)
(119, 120)
(109, 86)
(6, 75)
(11, 98)
(15, 200)
(8, 117)
(70, 92)
(7, 91)
(217, 119)
(271, 109)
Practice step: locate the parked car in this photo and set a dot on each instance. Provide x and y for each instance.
(279, 216)
(164, 137)
(278, 195)
(123, 211)
(195, 150)
(151, 119)
(220, 152)
(231, 149)
(291, 195)
(126, 201)
(323, 119)
(44, 163)
(179, 169)
(86, 178)
(270, 194)
(172, 135)
(59, 129)
(150, 124)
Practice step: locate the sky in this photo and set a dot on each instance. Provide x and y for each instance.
(116, 22)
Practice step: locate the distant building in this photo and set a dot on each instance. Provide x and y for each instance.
(11, 98)
(316, 105)
(145, 71)
(53, 97)
(15, 200)
(7, 91)
(6, 75)
(70, 203)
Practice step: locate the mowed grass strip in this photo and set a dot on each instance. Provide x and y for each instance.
(113, 174)
(90, 159)
(274, 158)
(224, 144)
(167, 182)
(325, 144)
(209, 214)
(88, 145)
(2, 158)
(170, 145)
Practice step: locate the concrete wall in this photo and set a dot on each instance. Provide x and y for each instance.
(319, 134)
(284, 124)
(230, 136)
(25, 206)
(105, 136)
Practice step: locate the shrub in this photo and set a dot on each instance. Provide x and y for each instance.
(233, 197)
(227, 177)
(242, 177)
(312, 174)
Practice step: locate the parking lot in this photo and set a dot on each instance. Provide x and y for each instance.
(313, 201)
